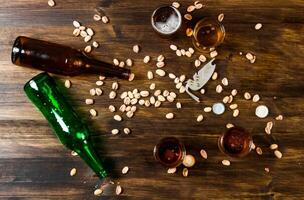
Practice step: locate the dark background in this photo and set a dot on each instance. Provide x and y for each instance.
(33, 165)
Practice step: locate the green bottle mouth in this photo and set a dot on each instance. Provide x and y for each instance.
(33, 82)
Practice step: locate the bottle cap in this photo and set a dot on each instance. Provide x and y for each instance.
(261, 111)
(218, 108)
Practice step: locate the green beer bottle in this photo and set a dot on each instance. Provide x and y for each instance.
(74, 134)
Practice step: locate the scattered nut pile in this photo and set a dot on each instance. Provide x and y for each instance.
(86, 33)
(154, 97)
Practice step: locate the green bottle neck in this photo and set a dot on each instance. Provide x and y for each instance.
(87, 153)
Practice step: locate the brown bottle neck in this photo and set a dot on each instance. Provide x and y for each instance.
(95, 66)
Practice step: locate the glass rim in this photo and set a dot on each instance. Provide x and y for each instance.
(179, 18)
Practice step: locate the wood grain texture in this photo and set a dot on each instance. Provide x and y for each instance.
(33, 165)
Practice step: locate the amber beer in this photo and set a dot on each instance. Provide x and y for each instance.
(208, 33)
(236, 142)
(60, 59)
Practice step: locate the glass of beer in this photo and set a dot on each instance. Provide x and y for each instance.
(170, 152)
(166, 20)
(208, 33)
(236, 142)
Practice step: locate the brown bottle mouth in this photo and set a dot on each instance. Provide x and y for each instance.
(16, 49)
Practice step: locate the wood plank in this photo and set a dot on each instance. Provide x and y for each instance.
(34, 165)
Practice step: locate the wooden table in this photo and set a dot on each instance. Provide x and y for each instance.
(34, 165)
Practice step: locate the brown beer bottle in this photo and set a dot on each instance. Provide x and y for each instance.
(60, 59)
